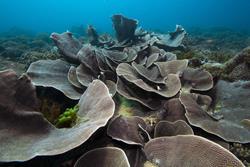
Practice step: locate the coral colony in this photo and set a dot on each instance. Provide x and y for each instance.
(135, 104)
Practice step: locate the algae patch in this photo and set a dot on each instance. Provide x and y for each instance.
(69, 118)
(150, 164)
(126, 107)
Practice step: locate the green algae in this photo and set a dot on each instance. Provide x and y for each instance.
(218, 107)
(215, 112)
(69, 118)
(246, 123)
(127, 107)
(149, 164)
(216, 69)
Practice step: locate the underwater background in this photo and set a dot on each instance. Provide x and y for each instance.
(163, 15)
(144, 82)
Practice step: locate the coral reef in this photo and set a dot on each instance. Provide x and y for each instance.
(132, 131)
(22, 49)
(103, 63)
(241, 151)
(218, 50)
(197, 151)
(29, 57)
(9, 64)
(236, 68)
(36, 135)
(229, 117)
(133, 103)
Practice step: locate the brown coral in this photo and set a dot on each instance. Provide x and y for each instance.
(188, 150)
(26, 134)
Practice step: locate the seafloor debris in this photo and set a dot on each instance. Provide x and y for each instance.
(239, 66)
(172, 103)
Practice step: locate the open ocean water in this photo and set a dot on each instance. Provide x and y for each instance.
(60, 15)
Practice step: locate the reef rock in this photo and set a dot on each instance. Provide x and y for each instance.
(12, 52)
(238, 68)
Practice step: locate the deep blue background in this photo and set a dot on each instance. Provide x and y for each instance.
(60, 15)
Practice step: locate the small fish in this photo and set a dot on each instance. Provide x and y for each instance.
(209, 41)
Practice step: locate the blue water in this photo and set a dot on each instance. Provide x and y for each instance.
(163, 15)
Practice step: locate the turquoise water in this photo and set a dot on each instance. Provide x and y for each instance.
(163, 15)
